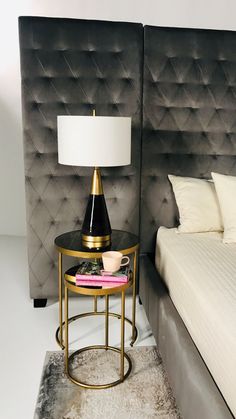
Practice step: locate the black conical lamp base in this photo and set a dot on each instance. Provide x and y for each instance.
(96, 229)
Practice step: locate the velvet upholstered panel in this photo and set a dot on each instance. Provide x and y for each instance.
(189, 116)
(196, 393)
(70, 67)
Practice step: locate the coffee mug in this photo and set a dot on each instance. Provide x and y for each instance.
(112, 261)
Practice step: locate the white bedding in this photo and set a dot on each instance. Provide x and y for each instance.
(200, 273)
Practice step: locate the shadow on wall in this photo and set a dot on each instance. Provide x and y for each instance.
(12, 213)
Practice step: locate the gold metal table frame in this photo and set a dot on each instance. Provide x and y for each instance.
(86, 254)
(95, 293)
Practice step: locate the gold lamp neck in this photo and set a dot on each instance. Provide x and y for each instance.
(96, 187)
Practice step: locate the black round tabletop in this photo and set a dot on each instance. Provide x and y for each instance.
(71, 244)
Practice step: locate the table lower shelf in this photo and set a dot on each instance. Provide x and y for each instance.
(93, 313)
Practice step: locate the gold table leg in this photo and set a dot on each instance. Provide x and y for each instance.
(134, 330)
(95, 302)
(60, 298)
(122, 349)
(66, 332)
(106, 321)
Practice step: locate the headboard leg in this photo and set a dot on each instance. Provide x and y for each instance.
(40, 302)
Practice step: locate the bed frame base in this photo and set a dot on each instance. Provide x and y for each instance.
(196, 393)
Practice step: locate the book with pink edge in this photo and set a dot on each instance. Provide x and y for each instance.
(97, 284)
(92, 271)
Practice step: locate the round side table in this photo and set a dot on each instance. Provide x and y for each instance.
(70, 244)
(69, 284)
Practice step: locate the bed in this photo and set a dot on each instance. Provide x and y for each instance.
(200, 274)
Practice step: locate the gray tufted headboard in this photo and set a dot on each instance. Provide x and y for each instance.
(189, 116)
(71, 66)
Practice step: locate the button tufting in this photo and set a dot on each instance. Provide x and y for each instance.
(90, 51)
(35, 104)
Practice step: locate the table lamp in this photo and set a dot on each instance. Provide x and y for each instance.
(94, 141)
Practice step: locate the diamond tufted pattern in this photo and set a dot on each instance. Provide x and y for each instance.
(71, 66)
(189, 116)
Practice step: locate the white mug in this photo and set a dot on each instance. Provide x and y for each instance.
(112, 261)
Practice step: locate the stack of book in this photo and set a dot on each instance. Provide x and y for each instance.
(91, 274)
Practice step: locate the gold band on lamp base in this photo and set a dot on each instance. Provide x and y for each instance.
(96, 241)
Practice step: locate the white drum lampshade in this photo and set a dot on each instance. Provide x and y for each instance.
(97, 141)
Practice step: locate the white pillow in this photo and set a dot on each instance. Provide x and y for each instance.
(198, 206)
(226, 191)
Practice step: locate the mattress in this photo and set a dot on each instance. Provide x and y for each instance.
(200, 273)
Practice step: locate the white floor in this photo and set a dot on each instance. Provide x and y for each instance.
(26, 333)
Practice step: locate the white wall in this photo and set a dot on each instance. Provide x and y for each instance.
(182, 13)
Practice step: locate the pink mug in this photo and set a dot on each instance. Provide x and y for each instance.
(112, 261)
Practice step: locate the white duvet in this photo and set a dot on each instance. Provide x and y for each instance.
(200, 273)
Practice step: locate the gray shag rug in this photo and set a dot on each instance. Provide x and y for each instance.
(144, 394)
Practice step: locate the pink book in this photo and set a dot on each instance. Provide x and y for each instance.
(92, 271)
(103, 278)
(97, 283)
